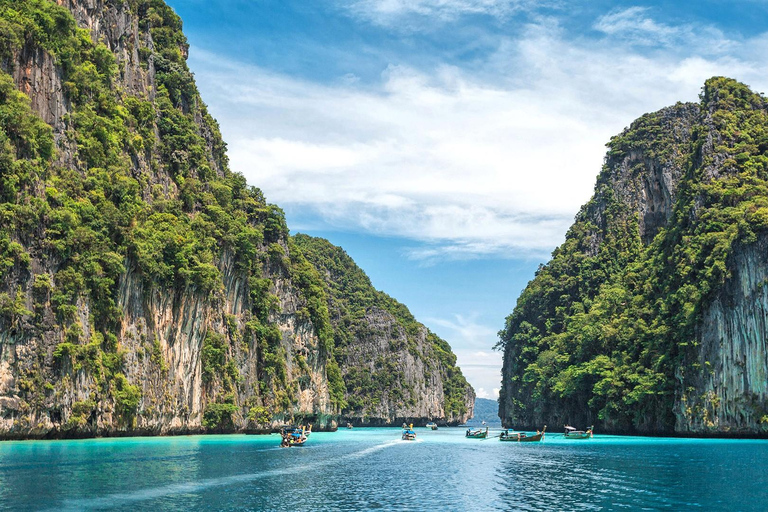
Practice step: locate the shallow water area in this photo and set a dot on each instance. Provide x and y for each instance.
(372, 468)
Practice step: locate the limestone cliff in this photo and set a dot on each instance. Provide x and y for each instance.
(650, 317)
(154, 292)
(729, 393)
(144, 287)
(394, 369)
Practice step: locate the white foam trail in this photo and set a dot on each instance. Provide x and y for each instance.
(118, 499)
(368, 451)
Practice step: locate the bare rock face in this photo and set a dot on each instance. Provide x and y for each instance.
(645, 180)
(38, 76)
(730, 392)
(113, 24)
(409, 380)
(173, 389)
(649, 181)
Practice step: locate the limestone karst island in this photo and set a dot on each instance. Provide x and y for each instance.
(171, 339)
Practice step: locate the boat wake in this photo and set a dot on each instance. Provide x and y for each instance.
(370, 450)
(119, 499)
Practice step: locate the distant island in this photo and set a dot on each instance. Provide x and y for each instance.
(487, 411)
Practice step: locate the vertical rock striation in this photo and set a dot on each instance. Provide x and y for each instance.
(730, 391)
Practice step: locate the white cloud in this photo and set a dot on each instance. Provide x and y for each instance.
(634, 24)
(482, 393)
(491, 162)
(470, 333)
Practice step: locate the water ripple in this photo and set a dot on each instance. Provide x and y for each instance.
(120, 499)
(372, 469)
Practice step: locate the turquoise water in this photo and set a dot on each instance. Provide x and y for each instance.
(368, 469)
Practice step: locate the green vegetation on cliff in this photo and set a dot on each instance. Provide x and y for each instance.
(143, 285)
(352, 301)
(606, 332)
(138, 181)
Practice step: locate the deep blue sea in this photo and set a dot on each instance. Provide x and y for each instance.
(372, 469)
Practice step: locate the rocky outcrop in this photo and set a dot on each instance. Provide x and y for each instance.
(394, 369)
(38, 76)
(406, 381)
(651, 317)
(643, 180)
(646, 181)
(62, 378)
(728, 392)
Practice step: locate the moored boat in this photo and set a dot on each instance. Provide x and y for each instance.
(431, 425)
(408, 433)
(477, 434)
(349, 425)
(522, 437)
(572, 433)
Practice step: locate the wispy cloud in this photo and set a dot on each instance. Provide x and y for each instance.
(471, 334)
(471, 340)
(388, 12)
(635, 25)
(494, 161)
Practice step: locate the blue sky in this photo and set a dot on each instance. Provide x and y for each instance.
(448, 144)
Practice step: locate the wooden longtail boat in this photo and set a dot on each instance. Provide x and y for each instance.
(521, 437)
(294, 436)
(408, 433)
(477, 434)
(572, 433)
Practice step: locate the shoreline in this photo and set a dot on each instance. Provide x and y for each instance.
(266, 432)
(54, 434)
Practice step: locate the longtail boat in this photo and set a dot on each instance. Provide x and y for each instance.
(431, 425)
(477, 434)
(572, 433)
(408, 433)
(294, 436)
(522, 437)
